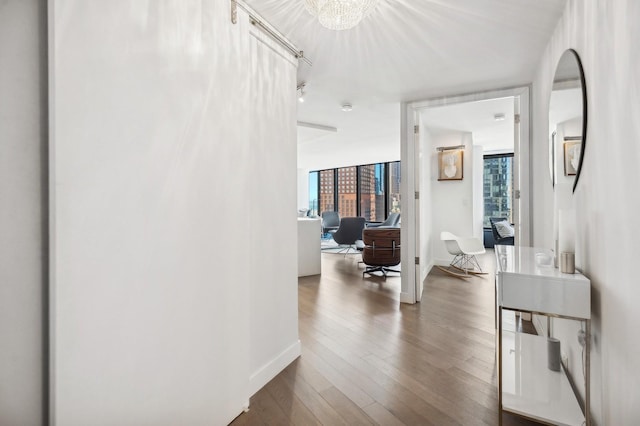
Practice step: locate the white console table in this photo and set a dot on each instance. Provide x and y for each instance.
(309, 260)
(526, 386)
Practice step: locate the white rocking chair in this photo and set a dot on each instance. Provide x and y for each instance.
(464, 251)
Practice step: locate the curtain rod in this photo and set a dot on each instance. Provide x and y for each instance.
(258, 21)
(449, 148)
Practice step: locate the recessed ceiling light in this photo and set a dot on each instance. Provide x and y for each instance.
(498, 117)
(347, 107)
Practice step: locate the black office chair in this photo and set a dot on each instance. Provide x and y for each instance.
(498, 239)
(330, 221)
(349, 231)
(392, 221)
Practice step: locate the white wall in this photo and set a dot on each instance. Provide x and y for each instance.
(303, 188)
(477, 191)
(451, 201)
(605, 34)
(157, 214)
(23, 261)
(426, 211)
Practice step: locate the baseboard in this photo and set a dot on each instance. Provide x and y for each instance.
(406, 298)
(427, 269)
(442, 262)
(273, 368)
(430, 267)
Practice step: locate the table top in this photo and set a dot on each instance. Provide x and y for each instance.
(523, 261)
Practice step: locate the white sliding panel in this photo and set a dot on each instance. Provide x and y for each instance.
(273, 255)
(150, 175)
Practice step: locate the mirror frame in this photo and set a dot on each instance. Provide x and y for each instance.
(583, 85)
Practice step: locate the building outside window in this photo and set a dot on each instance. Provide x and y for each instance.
(371, 191)
(347, 192)
(498, 187)
(327, 194)
(394, 201)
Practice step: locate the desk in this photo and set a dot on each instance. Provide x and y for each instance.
(309, 259)
(525, 385)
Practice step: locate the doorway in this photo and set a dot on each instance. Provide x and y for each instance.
(457, 204)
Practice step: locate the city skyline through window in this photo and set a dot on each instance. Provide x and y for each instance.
(498, 187)
(347, 191)
(371, 191)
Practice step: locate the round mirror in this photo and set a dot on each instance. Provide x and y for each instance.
(567, 122)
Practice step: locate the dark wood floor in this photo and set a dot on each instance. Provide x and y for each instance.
(366, 359)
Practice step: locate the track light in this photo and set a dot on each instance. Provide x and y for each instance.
(301, 92)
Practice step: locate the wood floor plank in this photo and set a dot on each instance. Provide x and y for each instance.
(482, 393)
(264, 410)
(430, 393)
(313, 400)
(349, 411)
(310, 374)
(354, 392)
(421, 406)
(382, 416)
(347, 363)
(367, 359)
(294, 410)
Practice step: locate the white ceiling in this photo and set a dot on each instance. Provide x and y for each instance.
(477, 118)
(404, 50)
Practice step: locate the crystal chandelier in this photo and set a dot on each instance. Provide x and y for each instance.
(339, 14)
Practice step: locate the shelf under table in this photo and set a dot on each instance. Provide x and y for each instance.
(529, 388)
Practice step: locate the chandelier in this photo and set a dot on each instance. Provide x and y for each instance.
(339, 14)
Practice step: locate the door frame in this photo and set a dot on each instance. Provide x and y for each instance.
(409, 155)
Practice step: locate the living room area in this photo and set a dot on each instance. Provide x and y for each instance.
(467, 205)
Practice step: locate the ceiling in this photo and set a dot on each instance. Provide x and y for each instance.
(405, 50)
(477, 118)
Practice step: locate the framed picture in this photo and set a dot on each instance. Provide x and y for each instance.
(450, 164)
(571, 156)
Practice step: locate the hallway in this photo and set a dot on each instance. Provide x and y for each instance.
(368, 360)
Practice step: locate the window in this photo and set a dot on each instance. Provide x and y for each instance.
(346, 192)
(314, 187)
(327, 193)
(371, 188)
(356, 191)
(498, 187)
(394, 204)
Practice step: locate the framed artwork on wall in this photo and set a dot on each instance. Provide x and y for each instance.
(450, 164)
(571, 156)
